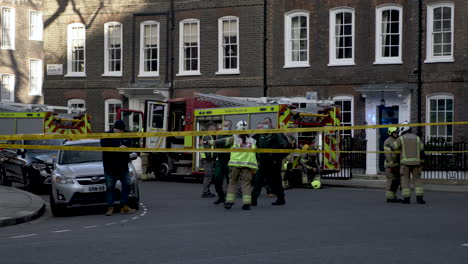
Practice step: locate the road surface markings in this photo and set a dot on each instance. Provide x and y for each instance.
(29, 235)
(465, 245)
(124, 221)
(61, 231)
(136, 217)
(87, 227)
(108, 224)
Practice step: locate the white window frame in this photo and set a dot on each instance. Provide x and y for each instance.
(71, 73)
(12, 33)
(430, 58)
(36, 31)
(107, 125)
(75, 101)
(379, 59)
(347, 98)
(40, 80)
(144, 73)
(106, 53)
(12, 90)
(438, 96)
(333, 61)
(288, 63)
(221, 69)
(183, 72)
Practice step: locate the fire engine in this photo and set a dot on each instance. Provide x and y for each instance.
(192, 114)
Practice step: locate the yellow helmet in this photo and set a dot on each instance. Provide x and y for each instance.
(392, 130)
(305, 147)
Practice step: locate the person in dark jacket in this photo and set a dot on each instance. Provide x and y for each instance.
(221, 167)
(116, 168)
(270, 164)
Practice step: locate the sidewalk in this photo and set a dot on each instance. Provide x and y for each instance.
(17, 206)
(379, 182)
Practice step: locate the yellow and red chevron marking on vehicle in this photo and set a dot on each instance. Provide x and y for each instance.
(54, 125)
(284, 115)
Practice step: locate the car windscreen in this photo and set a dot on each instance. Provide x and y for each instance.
(75, 156)
(44, 142)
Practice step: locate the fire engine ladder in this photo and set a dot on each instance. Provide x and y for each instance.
(225, 101)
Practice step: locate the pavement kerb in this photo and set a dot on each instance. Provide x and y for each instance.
(36, 205)
(380, 184)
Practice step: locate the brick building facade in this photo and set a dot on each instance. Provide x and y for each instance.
(363, 54)
(21, 51)
(151, 74)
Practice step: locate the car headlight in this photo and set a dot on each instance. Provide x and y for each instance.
(38, 166)
(57, 178)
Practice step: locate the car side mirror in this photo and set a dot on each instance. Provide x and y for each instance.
(21, 152)
(133, 156)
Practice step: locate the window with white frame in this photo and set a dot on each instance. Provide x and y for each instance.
(111, 112)
(76, 53)
(75, 104)
(439, 110)
(113, 49)
(35, 77)
(149, 49)
(440, 23)
(36, 26)
(388, 38)
(7, 85)
(8, 28)
(189, 43)
(296, 32)
(345, 103)
(341, 36)
(228, 45)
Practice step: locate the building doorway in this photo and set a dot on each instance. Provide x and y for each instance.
(387, 115)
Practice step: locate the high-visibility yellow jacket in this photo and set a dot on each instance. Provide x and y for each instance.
(244, 159)
(392, 160)
(209, 155)
(410, 147)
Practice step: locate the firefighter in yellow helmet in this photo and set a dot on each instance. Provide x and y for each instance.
(411, 158)
(243, 165)
(310, 167)
(392, 167)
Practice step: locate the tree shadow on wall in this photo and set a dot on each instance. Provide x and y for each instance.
(62, 6)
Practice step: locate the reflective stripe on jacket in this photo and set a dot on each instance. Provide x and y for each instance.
(391, 159)
(410, 147)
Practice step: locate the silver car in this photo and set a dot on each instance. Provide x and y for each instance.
(78, 179)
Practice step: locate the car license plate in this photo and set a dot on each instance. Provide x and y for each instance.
(101, 188)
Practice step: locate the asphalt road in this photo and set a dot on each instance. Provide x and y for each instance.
(332, 225)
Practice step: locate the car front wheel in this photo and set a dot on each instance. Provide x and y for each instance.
(3, 177)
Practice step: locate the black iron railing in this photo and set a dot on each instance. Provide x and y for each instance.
(451, 166)
(351, 163)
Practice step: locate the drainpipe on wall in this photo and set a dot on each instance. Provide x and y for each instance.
(265, 39)
(419, 93)
(171, 50)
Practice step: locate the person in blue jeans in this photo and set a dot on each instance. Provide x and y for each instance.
(116, 168)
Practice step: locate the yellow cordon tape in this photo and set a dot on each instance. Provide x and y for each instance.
(215, 132)
(118, 149)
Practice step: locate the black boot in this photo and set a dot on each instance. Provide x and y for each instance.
(420, 200)
(219, 201)
(246, 207)
(406, 200)
(279, 201)
(394, 200)
(228, 205)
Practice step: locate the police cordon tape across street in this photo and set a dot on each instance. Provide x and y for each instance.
(205, 133)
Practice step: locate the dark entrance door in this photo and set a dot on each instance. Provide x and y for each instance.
(387, 116)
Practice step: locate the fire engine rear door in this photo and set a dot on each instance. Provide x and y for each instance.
(156, 121)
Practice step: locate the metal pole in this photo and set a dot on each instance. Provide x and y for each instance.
(419, 92)
(265, 38)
